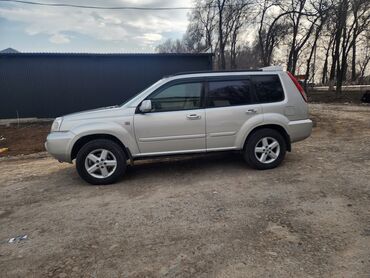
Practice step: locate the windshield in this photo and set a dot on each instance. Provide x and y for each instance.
(132, 100)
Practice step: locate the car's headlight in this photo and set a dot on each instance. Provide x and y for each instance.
(56, 124)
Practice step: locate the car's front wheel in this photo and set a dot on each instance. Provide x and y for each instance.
(101, 161)
(265, 149)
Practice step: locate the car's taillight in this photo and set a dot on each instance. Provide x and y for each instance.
(299, 87)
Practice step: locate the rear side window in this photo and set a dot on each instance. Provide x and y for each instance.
(229, 93)
(268, 88)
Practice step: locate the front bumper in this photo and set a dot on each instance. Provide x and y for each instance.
(299, 130)
(58, 144)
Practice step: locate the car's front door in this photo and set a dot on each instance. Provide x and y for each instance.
(176, 122)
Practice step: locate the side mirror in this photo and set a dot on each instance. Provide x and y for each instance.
(146, 106)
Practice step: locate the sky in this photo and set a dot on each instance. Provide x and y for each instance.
(31, 28)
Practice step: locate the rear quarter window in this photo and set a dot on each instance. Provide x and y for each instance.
(268, 88)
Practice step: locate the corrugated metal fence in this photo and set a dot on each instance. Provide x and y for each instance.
(47, 85)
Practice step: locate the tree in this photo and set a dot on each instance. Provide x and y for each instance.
(191, 42)
(351, 19)
(203, 17)
(271, 31)
(171, 46)
(361, 19)
(218, 23)
(302, 17)
(328, 46)
(222, 38)
(238, 16)
(322, 10)
(309, 35)
(249, 56)
(365, 61)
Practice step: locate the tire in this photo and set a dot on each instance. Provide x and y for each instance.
(256, 150)
(105, 159)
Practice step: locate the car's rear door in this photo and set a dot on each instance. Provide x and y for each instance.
(230, 103)
(176, 122)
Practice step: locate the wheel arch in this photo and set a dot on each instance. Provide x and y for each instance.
(276, 127)
(87, 138)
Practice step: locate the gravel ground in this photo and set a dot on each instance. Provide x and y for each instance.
(198, 216)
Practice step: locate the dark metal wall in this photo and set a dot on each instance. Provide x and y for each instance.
(49, 85)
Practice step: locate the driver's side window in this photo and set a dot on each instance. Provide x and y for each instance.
(185, 96)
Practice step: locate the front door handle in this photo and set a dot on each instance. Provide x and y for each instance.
(251, 111)
(193, 116)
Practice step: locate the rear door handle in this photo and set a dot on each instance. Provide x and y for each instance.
(193, 116)
(251, 111)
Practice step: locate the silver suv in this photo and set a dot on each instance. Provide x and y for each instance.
(259, 113)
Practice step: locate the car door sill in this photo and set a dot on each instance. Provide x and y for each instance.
(169, 153)
(222, 149)
(173, 153)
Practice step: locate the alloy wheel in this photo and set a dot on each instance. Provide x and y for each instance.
(100, 163)
(267, 150)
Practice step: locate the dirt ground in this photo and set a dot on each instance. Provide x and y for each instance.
(23, 139)
(203, 216)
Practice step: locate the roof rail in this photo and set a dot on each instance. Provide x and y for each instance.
(270, 68)
(273, 68)
(213, 71)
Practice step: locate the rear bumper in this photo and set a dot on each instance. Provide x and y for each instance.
(299, 130)
(58, 145)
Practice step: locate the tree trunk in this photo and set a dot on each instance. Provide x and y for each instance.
(233, 55)
(222, 62)
(222, 58)
(233, 47)
(336, 65)
(324, 79)
(333, 68)
(294, 62)
(342, 61)
(340, 78)
(324, 71)
(308, 67)
(353, 71)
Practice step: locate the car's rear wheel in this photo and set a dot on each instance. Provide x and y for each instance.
(101, 161)
(265, 149)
